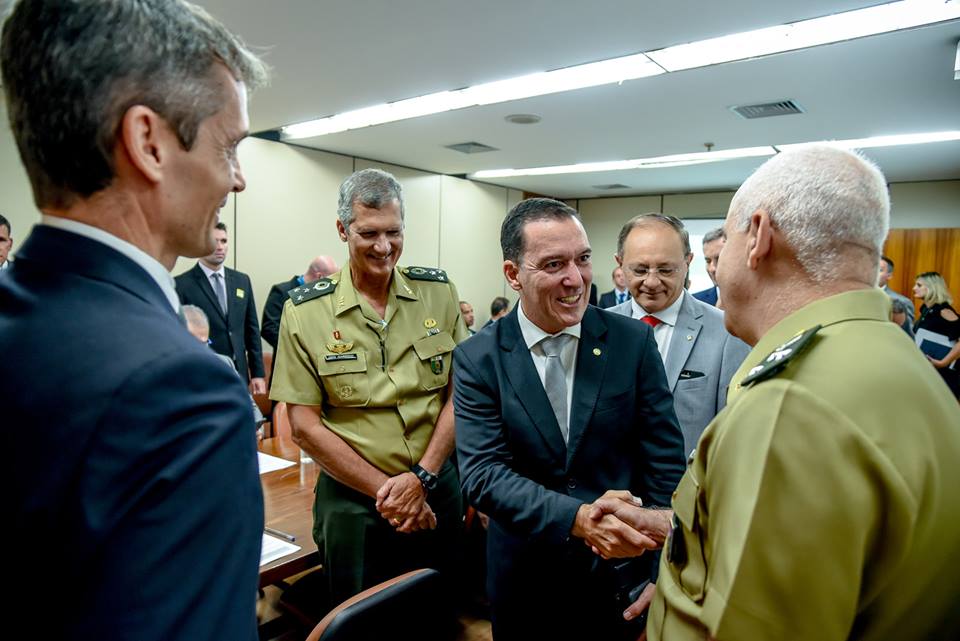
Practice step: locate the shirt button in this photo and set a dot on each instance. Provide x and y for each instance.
(571, 484)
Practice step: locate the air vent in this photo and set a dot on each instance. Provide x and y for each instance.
(767, 110)
(610, 186)
(471, 147)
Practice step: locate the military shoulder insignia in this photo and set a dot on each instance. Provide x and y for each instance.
(777, 359)
(425, 273)
(309, 291)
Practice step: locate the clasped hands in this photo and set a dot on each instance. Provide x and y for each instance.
(616, 526)
(402, 501)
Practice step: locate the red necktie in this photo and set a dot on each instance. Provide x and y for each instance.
(652, 321)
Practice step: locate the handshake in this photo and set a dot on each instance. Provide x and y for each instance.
(617, 526)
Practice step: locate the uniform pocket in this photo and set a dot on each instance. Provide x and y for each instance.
(686, 554)
(345, 380)
(435, 357)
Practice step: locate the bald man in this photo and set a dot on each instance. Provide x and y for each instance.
(319, 267)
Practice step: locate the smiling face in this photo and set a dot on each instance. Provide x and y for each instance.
(554, 273)
(654, 265)
(920, 290)
(374, 239)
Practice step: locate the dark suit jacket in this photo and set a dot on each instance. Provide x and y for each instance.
(273, 310)
(137, 479)
(516, 468)
(609, 299)
(237, 334)
(708, 296)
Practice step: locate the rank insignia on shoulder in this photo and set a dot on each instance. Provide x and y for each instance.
(777, 359)
(426, 273)
(309, 291)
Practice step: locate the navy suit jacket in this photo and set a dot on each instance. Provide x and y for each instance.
(272, 312)
(137, 479)
(515, 466)
(237, 334)
(708, 296)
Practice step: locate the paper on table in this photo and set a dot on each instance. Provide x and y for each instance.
(273, 548)
(270, 463)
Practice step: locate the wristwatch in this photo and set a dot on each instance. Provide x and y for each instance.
(428, 480)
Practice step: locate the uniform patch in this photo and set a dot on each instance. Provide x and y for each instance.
(310, 291)
(777, 360)
(425, 273)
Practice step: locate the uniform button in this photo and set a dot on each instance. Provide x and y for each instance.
(391, 370)
(343, 369)
(571, 484)
(439, 349)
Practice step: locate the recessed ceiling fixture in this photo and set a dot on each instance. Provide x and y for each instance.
(611, 187)
(523, 119)
(859, 23)
(471, 147)
(767, 109)
(678, 160)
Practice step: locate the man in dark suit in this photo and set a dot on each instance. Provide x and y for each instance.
(618, 294)
(226, 297)
(712, 245)
(138, 493)
(320, 267)
(559, 403)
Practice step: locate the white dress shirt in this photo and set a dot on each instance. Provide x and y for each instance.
(668, 320)
(532, 335)
(152, 266)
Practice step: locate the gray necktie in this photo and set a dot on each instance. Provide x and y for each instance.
(555, 380)
(220, 290)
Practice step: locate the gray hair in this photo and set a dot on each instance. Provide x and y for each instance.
(195, 317)
(712, 235)
(528, 211)
(72, 69)
(371, 188)
(824, 200)
(643, 220)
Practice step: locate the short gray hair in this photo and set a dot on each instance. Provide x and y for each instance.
(712, 235)
(372, 188)
(823, 200)
(642, 220)
(195, 317)
(72, 69)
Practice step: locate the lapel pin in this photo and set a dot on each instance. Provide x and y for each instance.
(596, 351)
(239, 293)
(689, 337)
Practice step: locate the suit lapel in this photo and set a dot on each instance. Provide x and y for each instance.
(688, 324)
(526, 382)
(591, 365)
(204, 284)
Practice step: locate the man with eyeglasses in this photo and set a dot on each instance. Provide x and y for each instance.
(698, 354)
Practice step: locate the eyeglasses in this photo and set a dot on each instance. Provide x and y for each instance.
(642, 272)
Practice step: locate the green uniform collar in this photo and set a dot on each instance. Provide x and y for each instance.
(868, 304)
(348, 298)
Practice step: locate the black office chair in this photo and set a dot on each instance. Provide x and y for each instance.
(413, 606)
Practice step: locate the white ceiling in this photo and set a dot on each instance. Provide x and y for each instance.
(330, 57)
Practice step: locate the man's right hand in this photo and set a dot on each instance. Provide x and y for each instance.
(425, 519)
(652, 525)
(608, 536)
(401, 497)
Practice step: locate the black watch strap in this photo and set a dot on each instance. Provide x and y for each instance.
(428, 480)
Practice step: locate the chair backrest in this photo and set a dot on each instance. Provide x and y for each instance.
(411, 606)
(281, 422)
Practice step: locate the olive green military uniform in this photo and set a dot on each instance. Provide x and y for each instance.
(824, 501)
(380, 385)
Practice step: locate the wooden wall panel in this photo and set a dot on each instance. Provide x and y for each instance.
(914, 251)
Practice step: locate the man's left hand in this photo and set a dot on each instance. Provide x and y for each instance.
(258, 386)
(401, 497)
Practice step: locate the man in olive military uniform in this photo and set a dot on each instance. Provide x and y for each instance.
(364, 364)
(823, 502)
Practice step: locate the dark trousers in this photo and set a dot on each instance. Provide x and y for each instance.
(359, 548)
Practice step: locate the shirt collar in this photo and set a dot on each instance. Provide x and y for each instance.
(209, 272)
(668, 315)
(533, 334)
(148, 263)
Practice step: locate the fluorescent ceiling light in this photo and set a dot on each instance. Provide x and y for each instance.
(678, 160)
(807, 33)
(537, 84)
(884, 18)
(882, 141)
(658, 162)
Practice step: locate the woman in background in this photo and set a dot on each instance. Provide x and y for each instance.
(937, 316)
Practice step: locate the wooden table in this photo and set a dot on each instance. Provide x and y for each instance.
(288, 504)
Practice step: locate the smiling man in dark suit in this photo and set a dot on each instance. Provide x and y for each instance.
(226, 297)
(136, 486)
(559, 403)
